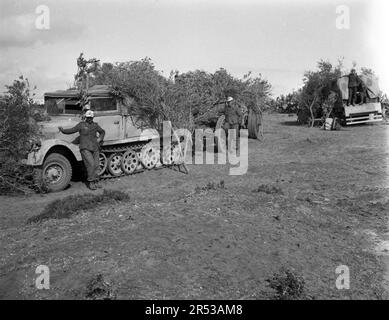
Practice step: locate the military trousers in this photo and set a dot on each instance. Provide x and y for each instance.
(92, 163)
(233, 141)
(352, 94)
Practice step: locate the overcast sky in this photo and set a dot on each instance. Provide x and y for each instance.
(279, 39)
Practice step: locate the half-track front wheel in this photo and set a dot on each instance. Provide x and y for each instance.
(56, 172)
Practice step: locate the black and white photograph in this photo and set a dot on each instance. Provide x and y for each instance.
(194, 155)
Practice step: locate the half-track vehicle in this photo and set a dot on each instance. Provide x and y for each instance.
(127, 148)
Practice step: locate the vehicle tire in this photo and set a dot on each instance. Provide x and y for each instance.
(150, 156)
(115, 164)
(220, 140)
(254, 124)
(103, 163)
(130, 162)
(56, 172)
(167, 155)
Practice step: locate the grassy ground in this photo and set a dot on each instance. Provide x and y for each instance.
(311, 200)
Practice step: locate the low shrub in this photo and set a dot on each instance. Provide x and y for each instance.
(19, 179)
(269, 189)
(71, 205)
(99, 289)
(287, 285)
(210, 186)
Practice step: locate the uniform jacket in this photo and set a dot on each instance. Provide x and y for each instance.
(88, 137)
(353, 80)
(233, 113)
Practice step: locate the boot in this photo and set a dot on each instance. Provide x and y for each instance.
(91, 185)
(98, 184)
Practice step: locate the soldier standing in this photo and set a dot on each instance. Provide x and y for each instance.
(353, 82)
(362, 89)
(89, 146)
(233, 116)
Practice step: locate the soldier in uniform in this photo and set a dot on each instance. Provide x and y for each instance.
(89, 146)
(233, 117)
(362, 89)
(353, 83)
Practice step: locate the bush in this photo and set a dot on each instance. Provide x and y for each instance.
(288, 103)
(317, 87)
(71, 205)
(210, 186)
(268, 189)
(99, 289)
(19, 179)
(186, 99)
(287, 285)
(18, 131)
(17, 128)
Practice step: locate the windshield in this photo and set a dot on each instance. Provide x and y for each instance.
(56, 106)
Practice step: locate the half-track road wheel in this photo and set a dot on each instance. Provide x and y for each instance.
(130, 161)
(167, 155)
(177, 153)
(114, 164)
(103, 162)
(171, 154)
(150, 156)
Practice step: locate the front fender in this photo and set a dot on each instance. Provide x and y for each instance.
(36, 158)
